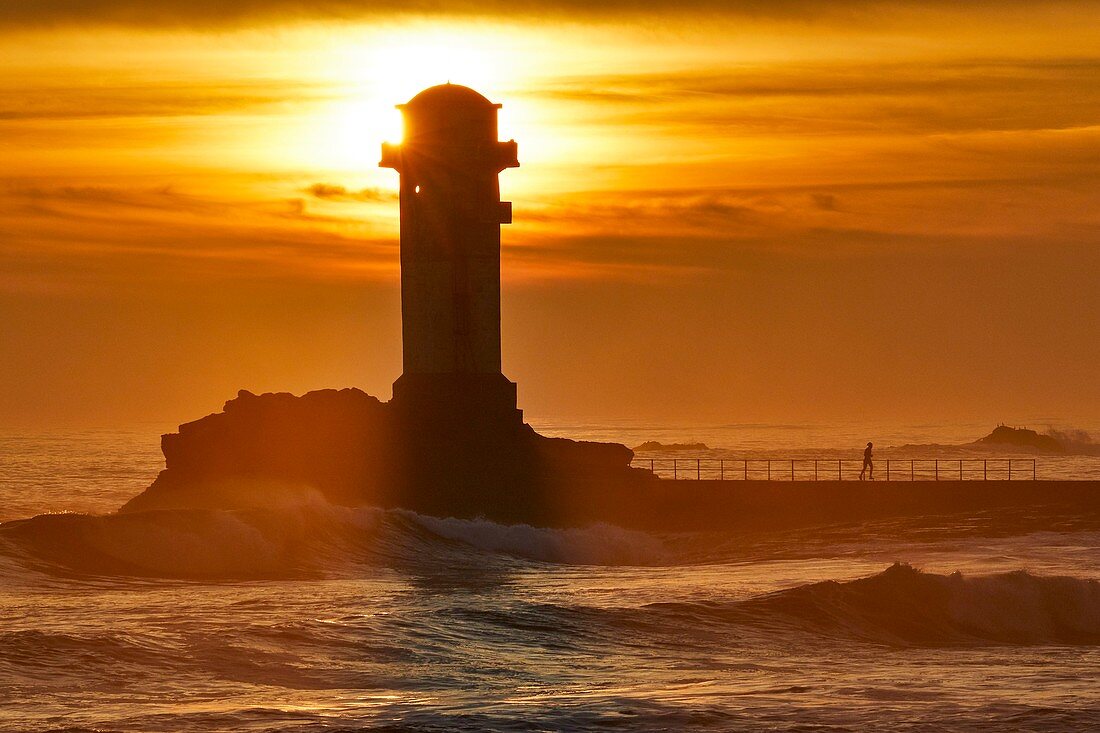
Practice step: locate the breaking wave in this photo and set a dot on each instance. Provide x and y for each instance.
(600, 544)
(904, 606)
(296, 541)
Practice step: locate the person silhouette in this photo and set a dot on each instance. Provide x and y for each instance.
(867, 463)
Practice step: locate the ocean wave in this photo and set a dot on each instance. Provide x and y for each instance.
(904, 606)
(192, 543)
(307, 539)
(36, 654)
(599, 544)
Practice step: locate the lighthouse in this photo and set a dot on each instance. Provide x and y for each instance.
(451, 212)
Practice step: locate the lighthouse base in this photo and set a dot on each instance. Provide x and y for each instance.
(458, 398)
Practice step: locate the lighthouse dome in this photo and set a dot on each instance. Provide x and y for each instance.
(448, 95)
(450, 114)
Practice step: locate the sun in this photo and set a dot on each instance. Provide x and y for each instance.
(376, 75)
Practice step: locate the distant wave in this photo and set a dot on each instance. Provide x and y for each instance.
(904, 606)
(1076, 441)
(1057, 442)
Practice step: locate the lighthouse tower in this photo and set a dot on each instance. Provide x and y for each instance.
(451, 214)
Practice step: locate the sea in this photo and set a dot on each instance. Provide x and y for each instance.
(315, 617)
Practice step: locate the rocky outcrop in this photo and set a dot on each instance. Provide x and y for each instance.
(350, 448)
(654, 445)
(1005, 436)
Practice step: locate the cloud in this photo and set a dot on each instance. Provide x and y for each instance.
(698, 259)
(122, 237)
(1058, 205)
(214, 13)
(46, 100)
(331, 192)
(835, 98)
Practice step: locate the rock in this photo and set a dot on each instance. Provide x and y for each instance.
(352, 449)
(653, 445)
(1003, 435)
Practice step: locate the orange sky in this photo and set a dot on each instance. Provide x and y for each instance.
(733, 212)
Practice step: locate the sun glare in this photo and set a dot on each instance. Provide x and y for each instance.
(379, 73)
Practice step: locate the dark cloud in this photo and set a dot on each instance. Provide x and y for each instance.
(213, 13)
(331, 192)
(683, 209)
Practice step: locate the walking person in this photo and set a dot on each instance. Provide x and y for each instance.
(868, 464)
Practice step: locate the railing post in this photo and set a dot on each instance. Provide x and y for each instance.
(651, 465)
(769, 469)
(839, 473)
(674, 474)
(985, 469)
(960, 469)
(1032, 469)
(912, 471)
(937, 469)
(746, 469)
(722, 470)
(1009, 469)
(698, 469)
(887, 469)
(792, 469)
(815, 469)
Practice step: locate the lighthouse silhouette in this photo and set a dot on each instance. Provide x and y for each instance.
(451, 214)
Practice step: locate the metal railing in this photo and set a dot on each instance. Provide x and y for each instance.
(820, 469)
